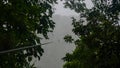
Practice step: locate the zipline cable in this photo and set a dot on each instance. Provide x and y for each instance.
(22, 48)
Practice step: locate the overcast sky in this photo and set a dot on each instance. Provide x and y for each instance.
(55, 51)
(60, 10)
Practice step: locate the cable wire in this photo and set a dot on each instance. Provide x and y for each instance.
(22, 48)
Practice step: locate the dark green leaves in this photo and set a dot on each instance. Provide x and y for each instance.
(98, 30)
(68, 39)
(20, 23)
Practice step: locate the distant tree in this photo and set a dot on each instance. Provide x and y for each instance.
(98, 30)
(20, 23)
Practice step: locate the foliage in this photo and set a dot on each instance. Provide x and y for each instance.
(68, 38)
(98, 30)
(20, 23)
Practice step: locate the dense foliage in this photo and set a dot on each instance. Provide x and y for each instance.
(20, 23)
(98, 30)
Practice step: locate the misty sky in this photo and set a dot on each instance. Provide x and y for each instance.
(54, 52)
(60, 10)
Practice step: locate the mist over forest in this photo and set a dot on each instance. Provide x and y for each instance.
(55, 51)
(59, 33)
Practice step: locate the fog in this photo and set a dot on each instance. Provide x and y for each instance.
(55, 51)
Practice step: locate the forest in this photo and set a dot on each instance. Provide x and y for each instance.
(25, 23)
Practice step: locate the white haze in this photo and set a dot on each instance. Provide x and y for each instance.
(55, 51)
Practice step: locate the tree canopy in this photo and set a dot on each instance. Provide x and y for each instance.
(98, 30)
(20, 23)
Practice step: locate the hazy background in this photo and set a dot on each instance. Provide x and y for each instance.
(55, 51)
